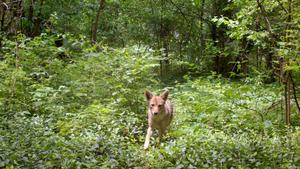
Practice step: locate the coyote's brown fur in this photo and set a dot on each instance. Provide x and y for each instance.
(160, 114)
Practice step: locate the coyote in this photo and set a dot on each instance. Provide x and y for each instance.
(160, 114)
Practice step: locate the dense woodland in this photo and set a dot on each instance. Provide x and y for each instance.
(73, 74)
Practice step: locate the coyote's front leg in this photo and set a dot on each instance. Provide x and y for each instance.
(161, 133)
(147, 140)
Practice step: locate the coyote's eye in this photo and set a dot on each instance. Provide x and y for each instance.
(152, 105)
(160, 105)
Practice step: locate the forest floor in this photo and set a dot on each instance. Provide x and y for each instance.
(219, 124)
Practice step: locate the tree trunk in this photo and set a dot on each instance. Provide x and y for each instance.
(213, 33)
(219, 37)
(4, 8)
(244, 57)
(287, 96)
(37, 21)
(202, 42)
(96, 21)
(269, 57)
(288, 72)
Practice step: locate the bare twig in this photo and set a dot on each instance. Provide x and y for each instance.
(180, 11)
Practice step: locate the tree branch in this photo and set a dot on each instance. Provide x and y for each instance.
(264, 14)
(282, 7)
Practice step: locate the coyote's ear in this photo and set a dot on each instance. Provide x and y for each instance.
(148, 95)
(164, 95)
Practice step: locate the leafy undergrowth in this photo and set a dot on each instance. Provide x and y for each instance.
(88, 111)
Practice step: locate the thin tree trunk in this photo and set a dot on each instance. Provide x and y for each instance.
(30, 11)
(258, 63)
(202, 43)
(4, 8)
(288, 100)
(269, 57)
(219, 38)
(10, 27)
(20, 14)
(264, 14)
(295, 93)
(213, 33)
(37, 21)
(288, 72)
(95, 23)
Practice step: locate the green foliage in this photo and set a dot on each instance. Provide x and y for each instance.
(81, 105)
(64, 101)
(85, 109)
